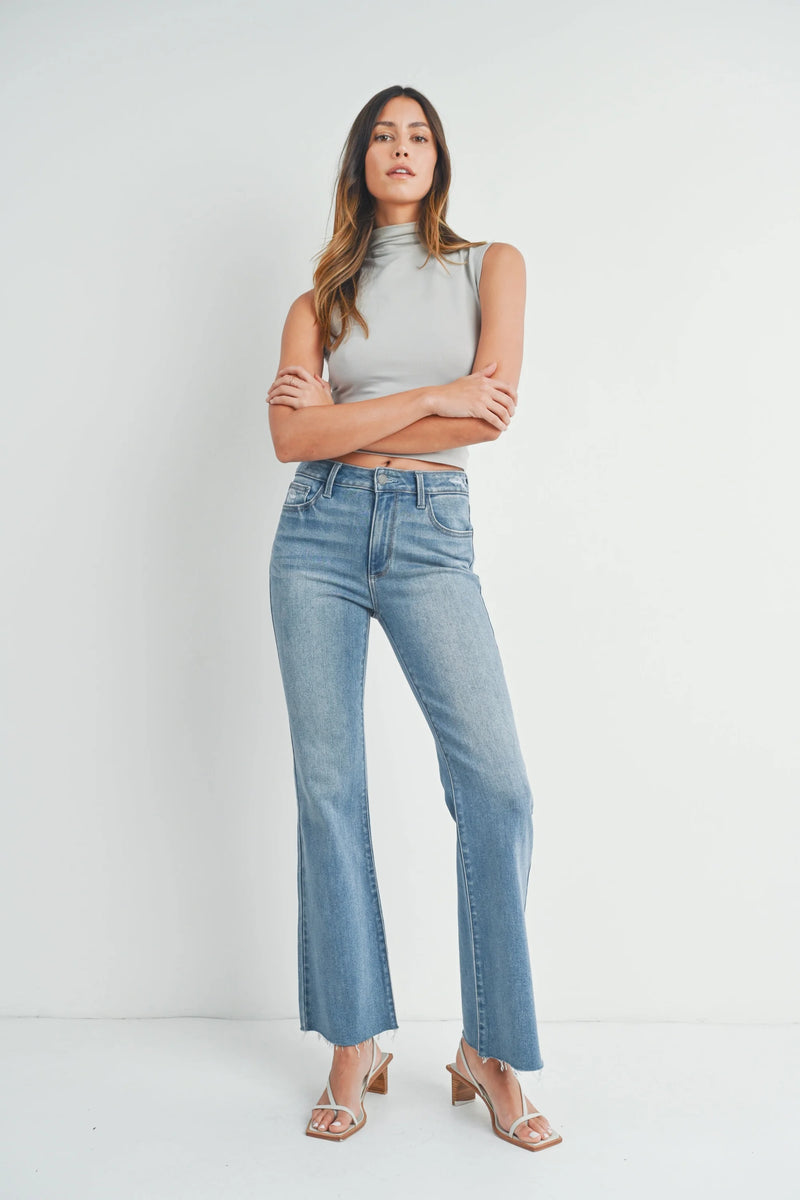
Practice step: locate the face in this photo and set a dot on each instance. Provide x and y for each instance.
(400, 139)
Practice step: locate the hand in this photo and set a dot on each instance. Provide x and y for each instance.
(476, 395)
(298, 388)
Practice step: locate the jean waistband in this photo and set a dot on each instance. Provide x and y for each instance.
(383, 479)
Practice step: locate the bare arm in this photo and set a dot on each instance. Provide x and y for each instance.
(502, 294)
(312, 427)
(435, 433)
(316, 427)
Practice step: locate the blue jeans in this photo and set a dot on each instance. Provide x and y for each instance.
(354, 543)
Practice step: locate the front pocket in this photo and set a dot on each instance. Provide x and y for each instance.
(449, 512)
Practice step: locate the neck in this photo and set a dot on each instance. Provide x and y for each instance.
(395, 214)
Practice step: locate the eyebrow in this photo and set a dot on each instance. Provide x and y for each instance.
(393, 124)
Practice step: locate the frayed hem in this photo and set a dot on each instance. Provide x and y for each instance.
(506, 1066)
(390, 1033)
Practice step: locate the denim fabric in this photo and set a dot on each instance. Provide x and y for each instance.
(354, 543)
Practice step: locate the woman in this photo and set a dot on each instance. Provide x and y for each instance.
(376, 523)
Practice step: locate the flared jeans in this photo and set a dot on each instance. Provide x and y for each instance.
(353, 543)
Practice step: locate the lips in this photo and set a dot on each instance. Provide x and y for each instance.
(400, 171)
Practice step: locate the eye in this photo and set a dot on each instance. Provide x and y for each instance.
(420, 136)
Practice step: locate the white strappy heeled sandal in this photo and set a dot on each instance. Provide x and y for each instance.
(375, 1080)
(464, 1088)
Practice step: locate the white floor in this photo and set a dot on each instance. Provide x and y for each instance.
(190, 1109)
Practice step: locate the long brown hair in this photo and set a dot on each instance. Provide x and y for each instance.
(337, 272)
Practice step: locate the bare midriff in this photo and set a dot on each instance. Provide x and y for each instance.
(358, 458)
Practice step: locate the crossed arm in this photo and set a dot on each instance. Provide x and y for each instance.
(405, 422)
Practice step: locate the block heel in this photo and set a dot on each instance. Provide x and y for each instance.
(380, 1081)
(461, 1092)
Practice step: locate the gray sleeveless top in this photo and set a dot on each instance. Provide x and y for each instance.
(424, 324)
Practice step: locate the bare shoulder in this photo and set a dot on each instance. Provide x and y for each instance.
(302, 309)
(501, 258)
(502, 282)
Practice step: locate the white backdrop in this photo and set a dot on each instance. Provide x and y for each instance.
(169, 171)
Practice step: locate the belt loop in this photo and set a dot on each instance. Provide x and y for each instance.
(331, 477)
(420, 489)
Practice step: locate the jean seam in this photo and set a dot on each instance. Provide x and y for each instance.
(301, 915)
(370, 855)
(463, 856)
(302, 919)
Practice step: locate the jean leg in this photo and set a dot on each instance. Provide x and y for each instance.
(434, 615)
(344, 986)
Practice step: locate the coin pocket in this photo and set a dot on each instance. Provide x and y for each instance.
(297, 494)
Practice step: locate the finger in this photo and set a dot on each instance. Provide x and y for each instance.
(285, 381)
(285, 388)
(487, 370)
(301, 371)
(493, 419)
(502, 413)
(503, 398)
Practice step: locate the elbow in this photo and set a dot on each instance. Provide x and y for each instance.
(279, 447)
(492, 433)
(284, 451)
(287, 454)
(283, 442)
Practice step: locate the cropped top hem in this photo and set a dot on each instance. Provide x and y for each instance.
(457, 457)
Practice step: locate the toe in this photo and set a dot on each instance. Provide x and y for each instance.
(321, 1119)
(542, 1126)
(539, 1123)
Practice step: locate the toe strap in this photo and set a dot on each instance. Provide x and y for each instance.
(334, 1105)
(339, 1108)
(519, 1120)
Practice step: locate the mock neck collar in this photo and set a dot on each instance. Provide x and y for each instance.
(390, 239)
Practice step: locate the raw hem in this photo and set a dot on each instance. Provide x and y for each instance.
(391, 1033)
